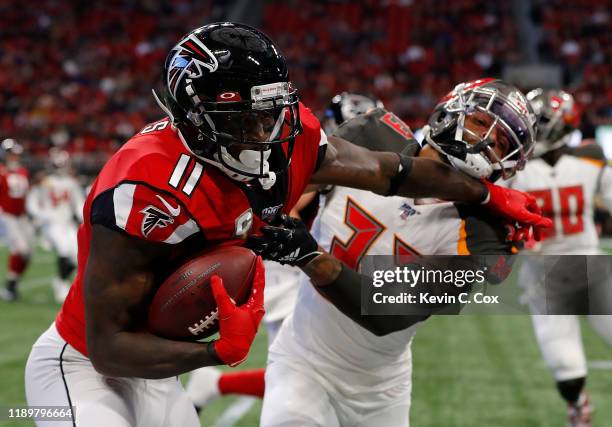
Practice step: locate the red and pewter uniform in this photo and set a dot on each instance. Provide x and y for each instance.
(155, 189)
(566, 193)
(367, 373)
(14, 185)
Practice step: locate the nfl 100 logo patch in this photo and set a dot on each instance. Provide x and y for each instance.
(406, 210)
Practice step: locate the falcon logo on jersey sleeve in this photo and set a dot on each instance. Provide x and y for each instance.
(154, 218)
(147, 213)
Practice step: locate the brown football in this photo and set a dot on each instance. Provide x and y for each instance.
(183, 307)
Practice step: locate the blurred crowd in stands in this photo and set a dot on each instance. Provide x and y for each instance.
(78, 74)
(577, 35)
(407, 53)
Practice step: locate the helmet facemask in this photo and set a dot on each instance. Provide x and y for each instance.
(499, 114)
(239, 135)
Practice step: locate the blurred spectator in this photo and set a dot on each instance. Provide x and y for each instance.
(576, 34)
(407, 53)
(79, 74)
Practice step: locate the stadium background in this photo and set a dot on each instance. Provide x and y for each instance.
(78, 75)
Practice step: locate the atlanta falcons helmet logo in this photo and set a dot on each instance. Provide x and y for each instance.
(186, 60)
(154, 217)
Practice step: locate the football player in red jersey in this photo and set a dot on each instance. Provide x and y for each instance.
(236, 147)
(209, 383)
(14, 186)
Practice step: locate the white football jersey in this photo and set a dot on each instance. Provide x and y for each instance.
(566, 193)
(355, 223)
(57, 198)
(281, 290)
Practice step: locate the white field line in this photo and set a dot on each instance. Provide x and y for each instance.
(235, 412)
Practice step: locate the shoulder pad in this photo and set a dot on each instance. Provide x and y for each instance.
(379, 130)
(484, 233)
(589, 151)
(145, 212)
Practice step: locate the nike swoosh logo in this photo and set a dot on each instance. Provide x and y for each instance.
(173, 211)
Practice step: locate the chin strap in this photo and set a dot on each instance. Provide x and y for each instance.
(267, 183)
(469, 161)
(251, 161)
(163, 106)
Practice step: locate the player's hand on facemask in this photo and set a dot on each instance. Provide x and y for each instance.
(287, 241)
(238, 325)
(519, 207)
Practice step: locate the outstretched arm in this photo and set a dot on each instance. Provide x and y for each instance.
(389, 174)
(353, 166)
(292, 244)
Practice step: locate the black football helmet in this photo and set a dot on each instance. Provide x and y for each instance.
(345, 106)
(228, 84)
(508, 111)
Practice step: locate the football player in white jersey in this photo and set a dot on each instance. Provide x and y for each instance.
(565, 181)
(56, 204)
(330, 366)
(209, 383)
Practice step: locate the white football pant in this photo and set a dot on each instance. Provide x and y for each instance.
(19, 234)
(58, 375)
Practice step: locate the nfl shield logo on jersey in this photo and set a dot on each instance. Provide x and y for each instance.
(406, 210)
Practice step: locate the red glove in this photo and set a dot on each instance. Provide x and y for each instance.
(238, 325)
(518, 207)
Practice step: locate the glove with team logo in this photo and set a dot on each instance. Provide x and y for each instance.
(287, 241)
(238, 325)
(516, 206)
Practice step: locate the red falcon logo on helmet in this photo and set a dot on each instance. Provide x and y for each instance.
(190, 55)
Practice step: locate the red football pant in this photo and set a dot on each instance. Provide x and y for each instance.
(17, 265)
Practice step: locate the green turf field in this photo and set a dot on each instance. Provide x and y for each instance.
(468, 370)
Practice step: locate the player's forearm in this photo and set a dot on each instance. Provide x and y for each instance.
(143, 355)
(323, 270)
(430, 178)
(341, 286)
(352, 166)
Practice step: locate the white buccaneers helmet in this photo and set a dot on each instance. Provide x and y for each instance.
(509, 112)
(558, 117)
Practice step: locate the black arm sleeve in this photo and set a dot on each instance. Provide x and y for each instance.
(345, 294)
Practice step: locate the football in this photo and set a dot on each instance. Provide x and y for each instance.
(183, 308)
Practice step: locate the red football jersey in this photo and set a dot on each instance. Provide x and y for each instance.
(14, 186)
(155, 189)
